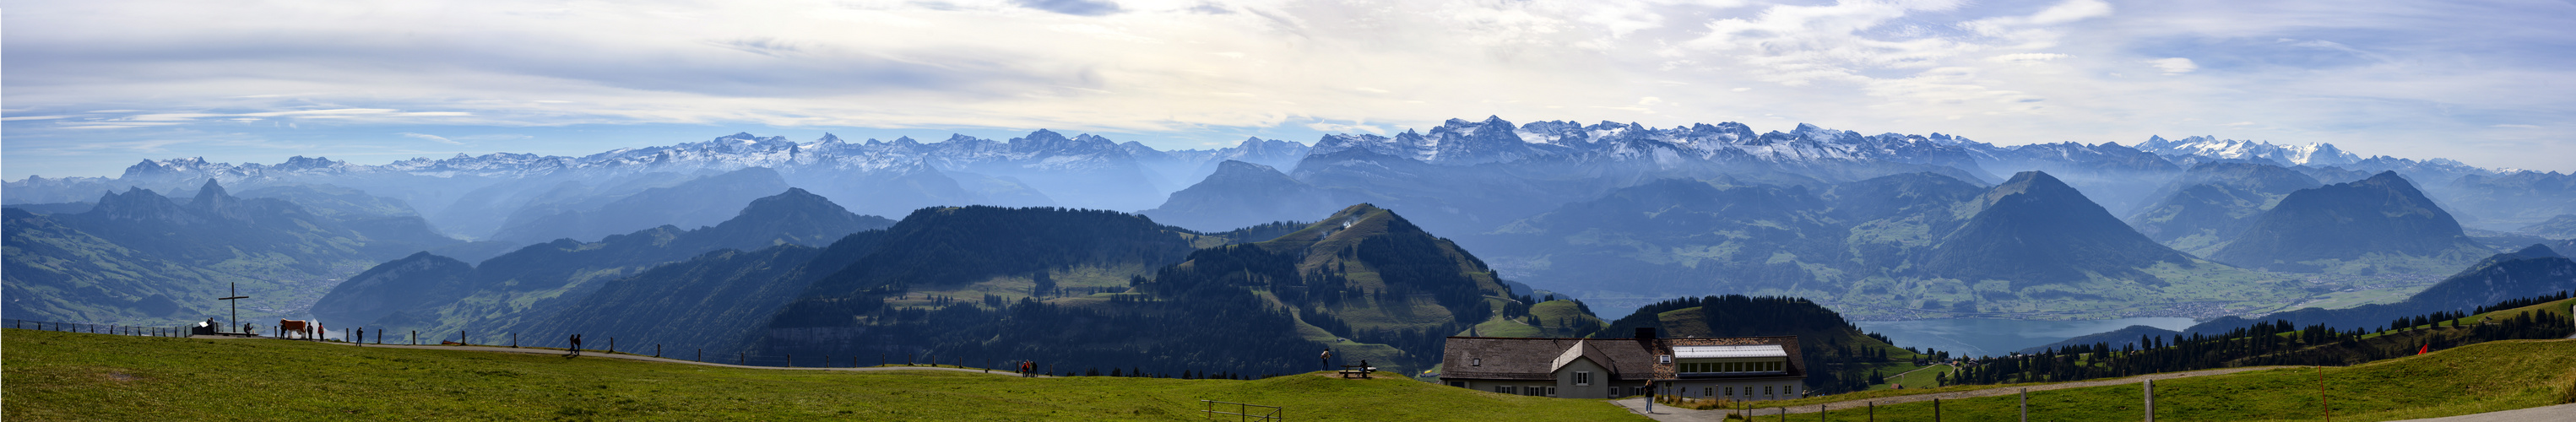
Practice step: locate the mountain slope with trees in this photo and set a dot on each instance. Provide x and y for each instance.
(142, 258)
(2379, 224)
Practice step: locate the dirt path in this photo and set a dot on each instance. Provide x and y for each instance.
(1668, 413)
(597, 354)
(1902, 374)
(2559, 413)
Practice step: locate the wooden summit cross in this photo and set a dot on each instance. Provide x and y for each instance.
(236, 301)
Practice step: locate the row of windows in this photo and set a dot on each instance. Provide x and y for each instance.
(1772, 366)
(1768, 392)
(1527, 390)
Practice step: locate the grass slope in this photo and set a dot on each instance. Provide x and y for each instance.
(64, 376)
(2485, 377)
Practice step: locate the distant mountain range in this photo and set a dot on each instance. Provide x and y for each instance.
(1608, 210)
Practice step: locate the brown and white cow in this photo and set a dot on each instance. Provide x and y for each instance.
(308, 329)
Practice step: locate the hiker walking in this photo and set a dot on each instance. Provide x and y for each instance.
(1328, 358)
(576, 346)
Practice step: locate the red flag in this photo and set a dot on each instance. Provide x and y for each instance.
(2428, 348)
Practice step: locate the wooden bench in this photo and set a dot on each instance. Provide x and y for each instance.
(1361, 371)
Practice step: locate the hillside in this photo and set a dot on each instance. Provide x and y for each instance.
(2214, 202)
(432, 293)
(1363, 274)
(2379, 224)
(2561, 227)
(702, 201)
(63, 376)
(1241, 194)
(1676, 237)
(1842, 358)
(2513, 374)
(2034, 230)
(2532, 271)
(137, 255)
(59, 273)
(2124, 337)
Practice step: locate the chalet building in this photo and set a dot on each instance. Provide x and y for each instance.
(1737, 368)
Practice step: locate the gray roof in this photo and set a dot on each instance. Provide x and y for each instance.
(1508, 358)
(1628, 359)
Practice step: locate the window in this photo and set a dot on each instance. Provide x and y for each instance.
(1582, 377)
(1663, 358)
(1476, 362)
(1459, 384)
(1730, 391)
(1766, 390)
(1551, 391)
(1791, 390)
(1707, 391)
(1503, 389)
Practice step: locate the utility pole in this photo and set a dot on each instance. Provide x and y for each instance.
(235, 299)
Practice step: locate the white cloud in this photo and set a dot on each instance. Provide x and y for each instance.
(2174, 65)
(1353, 127)
(1996, 71)
(431, 138)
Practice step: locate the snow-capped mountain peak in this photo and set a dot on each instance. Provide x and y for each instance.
(2315, 154)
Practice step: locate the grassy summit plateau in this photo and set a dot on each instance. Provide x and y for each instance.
(64, 376)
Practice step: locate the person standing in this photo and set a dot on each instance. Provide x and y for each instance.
(1328, 358)
(576, 346)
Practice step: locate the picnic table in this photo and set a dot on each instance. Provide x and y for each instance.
(1360, 370)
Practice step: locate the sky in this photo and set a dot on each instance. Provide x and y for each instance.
(90, 87)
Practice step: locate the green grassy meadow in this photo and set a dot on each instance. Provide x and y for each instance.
(54, 376)
(2484, 377)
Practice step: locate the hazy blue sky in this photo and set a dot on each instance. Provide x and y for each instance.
(92, 86)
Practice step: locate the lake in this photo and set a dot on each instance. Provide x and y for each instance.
(1997, 337)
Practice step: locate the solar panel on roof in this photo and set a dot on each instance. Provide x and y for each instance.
(1708, 352)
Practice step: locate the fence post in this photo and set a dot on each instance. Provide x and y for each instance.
(791, 360)
(742, 358)
(2151, 400)
(415, 337)
(514, 340)
(657, 350)
(1936, 410)
(612, 345)
(2025, 405)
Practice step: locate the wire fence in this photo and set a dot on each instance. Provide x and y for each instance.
(122, 330)
(378, 336)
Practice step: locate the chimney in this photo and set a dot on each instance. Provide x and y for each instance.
(1646, 333)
